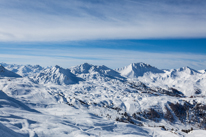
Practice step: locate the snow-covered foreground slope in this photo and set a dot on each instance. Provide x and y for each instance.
(90, 100)
(51, 115)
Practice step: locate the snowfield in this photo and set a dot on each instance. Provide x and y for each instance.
(96, 101)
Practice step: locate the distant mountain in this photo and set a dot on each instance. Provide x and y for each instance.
(95, 71)
(56, 75)
(23, 70)
(83, 68)
(183, 71)
(6, 73)
(135, 70)
(185, 79)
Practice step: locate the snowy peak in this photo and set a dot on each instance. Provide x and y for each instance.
(83, 68)
(88, 68)
(95, 70)
(188, 70)
(6, 73)
(56, 75)
(135, 70)
(184, 71)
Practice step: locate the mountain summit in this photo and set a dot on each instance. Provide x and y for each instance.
(135, 70)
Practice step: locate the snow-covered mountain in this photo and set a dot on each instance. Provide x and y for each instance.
(23, 70)
(183, 71)
(89, 100)
(56, 75)
(6, 73)
(185, 79)
(135, 70)
(89, 71)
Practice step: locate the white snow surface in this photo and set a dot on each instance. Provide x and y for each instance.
(83, 101)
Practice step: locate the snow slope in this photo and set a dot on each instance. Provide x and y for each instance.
(6, 132)
(55, 117)
(12, 102)
(6, 73)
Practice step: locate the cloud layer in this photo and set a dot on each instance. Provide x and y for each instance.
(109, 57)
(63, 20)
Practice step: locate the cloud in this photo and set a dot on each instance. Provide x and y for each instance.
(64, 20)
(109, 57)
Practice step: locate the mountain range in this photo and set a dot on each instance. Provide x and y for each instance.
(91, 100)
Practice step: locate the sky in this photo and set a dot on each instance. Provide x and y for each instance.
(163, 33)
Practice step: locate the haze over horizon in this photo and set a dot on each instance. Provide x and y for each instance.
(165, 34)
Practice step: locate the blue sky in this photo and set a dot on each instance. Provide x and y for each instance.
(166, 34)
